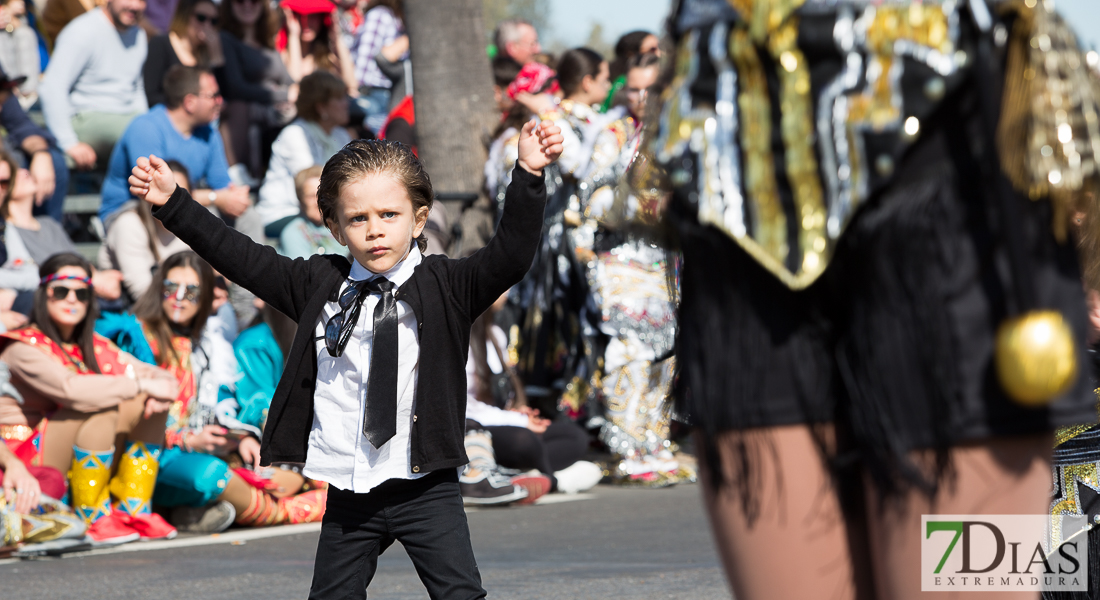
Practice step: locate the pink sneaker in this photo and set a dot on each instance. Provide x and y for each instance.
(109, 530)
(150, 526)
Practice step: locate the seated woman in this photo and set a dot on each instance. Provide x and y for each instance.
(136, 242)
(521, 438)
(192, 40)
(168, 327)
(30, 240)
(309, 42)
(309, 140)
(259, 93)
(77, 383)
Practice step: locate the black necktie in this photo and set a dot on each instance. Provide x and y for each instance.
(380, 420)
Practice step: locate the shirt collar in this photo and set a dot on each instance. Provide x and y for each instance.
(399, 274)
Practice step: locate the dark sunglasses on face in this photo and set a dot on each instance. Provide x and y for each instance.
(204, 19)
(61, 292)
(190, 294)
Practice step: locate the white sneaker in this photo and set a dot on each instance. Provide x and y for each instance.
(578, 477)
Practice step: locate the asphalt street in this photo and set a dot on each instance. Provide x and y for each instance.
(610, 543)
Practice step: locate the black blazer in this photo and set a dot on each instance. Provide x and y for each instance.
(445, 294)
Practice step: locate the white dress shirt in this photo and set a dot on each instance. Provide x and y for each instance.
(338, 452)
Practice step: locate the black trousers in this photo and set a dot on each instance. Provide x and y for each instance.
(425, 515)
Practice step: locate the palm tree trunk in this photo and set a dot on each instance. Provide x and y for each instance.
(454, 106)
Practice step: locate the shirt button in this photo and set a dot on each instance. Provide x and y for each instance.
(414, 418)
(416, 469)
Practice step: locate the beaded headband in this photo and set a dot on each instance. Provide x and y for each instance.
(57, 277)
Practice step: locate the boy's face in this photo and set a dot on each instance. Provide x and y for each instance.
(375, 220)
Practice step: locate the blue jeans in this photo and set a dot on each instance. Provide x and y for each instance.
(375, 102)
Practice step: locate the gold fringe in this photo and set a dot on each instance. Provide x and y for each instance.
(1049, 134)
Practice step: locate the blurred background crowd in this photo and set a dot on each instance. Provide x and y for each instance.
(136, 380)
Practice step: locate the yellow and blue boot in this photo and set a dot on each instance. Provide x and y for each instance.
(91, 498)
(133, 490)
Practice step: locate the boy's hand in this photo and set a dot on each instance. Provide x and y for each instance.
(539, 145)
(152, 181)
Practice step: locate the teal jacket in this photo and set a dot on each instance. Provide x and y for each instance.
(260, 362)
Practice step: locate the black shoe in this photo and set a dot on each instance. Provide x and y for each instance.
(490, 489)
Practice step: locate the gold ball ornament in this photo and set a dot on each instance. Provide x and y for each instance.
(1035, 357)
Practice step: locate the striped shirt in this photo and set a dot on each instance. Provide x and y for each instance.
(380, 28)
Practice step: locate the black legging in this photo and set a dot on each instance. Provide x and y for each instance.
(562, 444)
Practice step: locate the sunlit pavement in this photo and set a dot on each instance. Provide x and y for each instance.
(609, 543)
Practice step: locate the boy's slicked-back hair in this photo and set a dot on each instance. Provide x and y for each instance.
(366, 157)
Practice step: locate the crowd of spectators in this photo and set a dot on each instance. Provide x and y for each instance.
(157, 429)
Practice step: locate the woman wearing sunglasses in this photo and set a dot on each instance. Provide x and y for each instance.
(30, 239)
(259, 92)
(169, 328)
(192, 40)
(75, 385)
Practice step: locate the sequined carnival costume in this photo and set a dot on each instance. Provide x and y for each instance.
(870, 198)
(631, 276)
(559, 319)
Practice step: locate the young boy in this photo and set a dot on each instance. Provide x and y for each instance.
(353, 403)
(306, 234)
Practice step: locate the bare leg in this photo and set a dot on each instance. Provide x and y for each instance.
(289, 482)
(134, 427)
(91, 431)
(799, 523)
(238, 493)
(1006, 476)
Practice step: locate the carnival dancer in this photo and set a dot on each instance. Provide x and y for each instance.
(874, 259)
(1076, 463)
(385, 435)
(74, 385)
(632, 278)
(629, 47)
(558, 316)
(170, 327)
(527, 94)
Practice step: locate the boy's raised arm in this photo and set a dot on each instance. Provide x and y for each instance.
(502, 263)
(256, 267)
